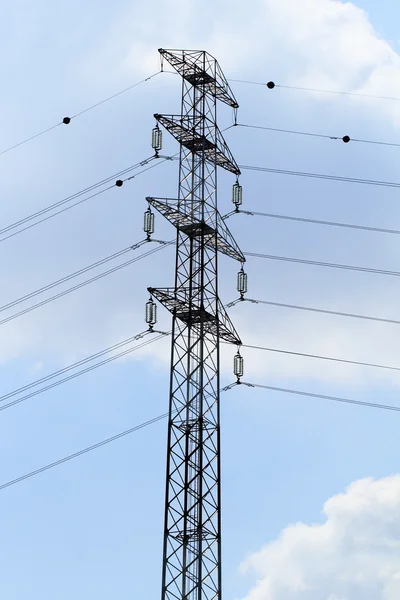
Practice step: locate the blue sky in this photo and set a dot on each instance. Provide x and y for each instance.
(94, 526)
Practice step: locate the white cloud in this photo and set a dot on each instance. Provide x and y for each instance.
(354, 554)
(324, 43)
(314, 42)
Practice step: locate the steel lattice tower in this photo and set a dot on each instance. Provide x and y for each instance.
(192, 536)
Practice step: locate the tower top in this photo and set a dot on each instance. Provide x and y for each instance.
(199, 68)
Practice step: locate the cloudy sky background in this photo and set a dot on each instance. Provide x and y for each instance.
(94, 526)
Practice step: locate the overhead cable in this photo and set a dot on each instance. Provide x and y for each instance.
(272, 85)
(318, 357)
(315, 310)
(62, 280)
(118, 183)
(83, 283)
(345, 138)
(83, 451)
(67, 120)
(312, 395)
(160, 335)
(165, 415)
(310, 175)
(317, 263)
(82, 372)
(75, 365)
(373, 182)
(313, 221)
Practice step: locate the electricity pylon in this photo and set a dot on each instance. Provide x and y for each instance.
(192, 535)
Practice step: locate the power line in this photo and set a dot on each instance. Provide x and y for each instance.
(314, 221)
(373, 182)
(123, 91)
(315, 310)
(80, 373)
(75, 274)
(340, 178)
(346, 138)
(125, 352)
(318, 357)
(67, 120)
(165, 415)
(67, 278)
(47, 209)
(68, 199)
(324, 264)
(74, 365)
(312, 395)
(271, 85)
(83, 283)
(83, 451)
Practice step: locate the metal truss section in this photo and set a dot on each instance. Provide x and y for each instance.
(192, 527)
(187, 130)
(180, 306)
(200, 68)
(182, 216)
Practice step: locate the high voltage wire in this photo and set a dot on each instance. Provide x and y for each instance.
(123, 91)
(86, 190)
(340, 178)
(76, 364)
(344, 138)
(165, 415)
(315, 310)
(314, 221)
(67, 278)
(119, 345)
(83, 451)
(79, 373)
(373, 182)
(271, 85)
(312, 395)
(82, 284)
(118, 183)
(73, 275)
(317, 263)
(67, 120)
(319, 357)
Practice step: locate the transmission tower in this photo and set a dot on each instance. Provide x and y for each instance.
(192, 535)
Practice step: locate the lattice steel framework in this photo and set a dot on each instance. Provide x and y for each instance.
(192, 535)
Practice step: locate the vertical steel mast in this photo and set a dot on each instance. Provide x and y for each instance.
(192, 535)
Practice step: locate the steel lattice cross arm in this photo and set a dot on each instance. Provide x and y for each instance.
(200, 68)
(192, 530)
(186, 311)
(188, 132)
(182, 215)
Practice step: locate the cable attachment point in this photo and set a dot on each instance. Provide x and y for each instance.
(156, 140)
(148, 223)
(237, 195)
(242, 283)
(151, 313)
(238, 366)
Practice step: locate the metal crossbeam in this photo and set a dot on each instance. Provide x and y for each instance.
(183, 218)
(200, 68)
(186, 131)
